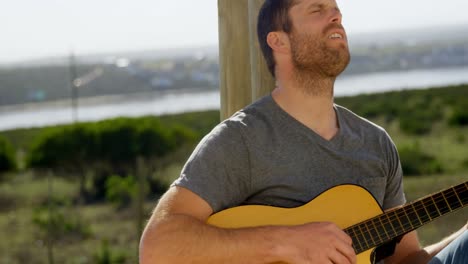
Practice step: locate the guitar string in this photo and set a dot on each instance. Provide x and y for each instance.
(398, 213)
(420, 206)
(360, 247)
(403, 229)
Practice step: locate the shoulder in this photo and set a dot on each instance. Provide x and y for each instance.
(254, 119)
(369, 134)
(360, 124)
(255, 114)
(240, 127)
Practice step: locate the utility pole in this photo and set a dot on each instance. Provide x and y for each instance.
(74, 88)
(50, 211)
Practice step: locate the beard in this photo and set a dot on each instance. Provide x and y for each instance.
(313, 60)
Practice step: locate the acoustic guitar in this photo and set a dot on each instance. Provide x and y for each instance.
(354, 210)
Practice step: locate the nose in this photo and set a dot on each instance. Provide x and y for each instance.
(336, 15)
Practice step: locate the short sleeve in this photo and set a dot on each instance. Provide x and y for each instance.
(394, 193)
(218, 170)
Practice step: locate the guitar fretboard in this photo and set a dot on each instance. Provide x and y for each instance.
(401, 220)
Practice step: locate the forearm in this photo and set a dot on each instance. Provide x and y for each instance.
(434, 249)
(183, 239)
(426, 254)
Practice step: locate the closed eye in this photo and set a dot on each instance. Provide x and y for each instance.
(315, 8)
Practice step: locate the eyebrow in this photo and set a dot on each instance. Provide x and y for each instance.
(314, 5)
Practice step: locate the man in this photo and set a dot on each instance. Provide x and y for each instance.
(283, 150)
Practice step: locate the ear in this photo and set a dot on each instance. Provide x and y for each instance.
(278, 41)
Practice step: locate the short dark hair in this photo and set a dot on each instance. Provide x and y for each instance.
(273, 16)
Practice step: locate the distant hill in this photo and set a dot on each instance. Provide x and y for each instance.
(197, 67)
(210, 51)
(443, 34)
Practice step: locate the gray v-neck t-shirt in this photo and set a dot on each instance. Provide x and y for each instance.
(262, 155)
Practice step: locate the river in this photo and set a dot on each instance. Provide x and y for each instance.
(158, 103)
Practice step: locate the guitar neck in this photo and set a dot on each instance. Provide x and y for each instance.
(401, 220)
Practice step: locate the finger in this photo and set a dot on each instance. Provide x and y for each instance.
(347, 251)
(337, 257)
(339, 233)
(346, 238)
(343, 237)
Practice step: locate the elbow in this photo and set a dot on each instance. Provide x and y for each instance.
(153, 249)
(150, 250)
(147, 251)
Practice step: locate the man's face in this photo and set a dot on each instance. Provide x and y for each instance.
(318, 40)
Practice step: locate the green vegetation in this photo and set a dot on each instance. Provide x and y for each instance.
(416, 162)
(58, 225)
(75, 195)
(415, 110)
(95, 151)
(78, 185)
(459, 116)
(7, 156)
(426, 125)
(107, 256)
(121, 190)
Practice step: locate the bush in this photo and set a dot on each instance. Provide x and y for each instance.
(121, 190)
(418, 116)
(122, 140)
(114, 142)
(105, 255)
(60, 225)
(157, 186)
(7, 156)
(416, 162)
(415, 125)
(459, 116)
(65, 147)
(199, 122)
(109, 147)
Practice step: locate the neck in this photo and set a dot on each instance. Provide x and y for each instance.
(311, 84)
(313, 109)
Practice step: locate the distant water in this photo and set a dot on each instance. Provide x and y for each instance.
(180, 101)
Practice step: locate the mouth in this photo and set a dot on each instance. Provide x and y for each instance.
(336, 36)
(335, 32)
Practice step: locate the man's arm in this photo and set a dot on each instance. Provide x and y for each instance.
(177, 233)
(409, 251)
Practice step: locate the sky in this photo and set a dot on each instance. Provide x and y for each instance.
(35, 29)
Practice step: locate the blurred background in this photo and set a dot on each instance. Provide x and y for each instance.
(101, 102)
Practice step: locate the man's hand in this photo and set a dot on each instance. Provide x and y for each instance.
(177, 233)
(319, 243)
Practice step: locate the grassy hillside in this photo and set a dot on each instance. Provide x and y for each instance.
(427, 126)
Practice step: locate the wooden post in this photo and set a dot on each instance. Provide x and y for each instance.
(234, 56)
(244, 76)
(262, 81)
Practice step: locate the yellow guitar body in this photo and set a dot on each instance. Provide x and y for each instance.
(344, 205)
